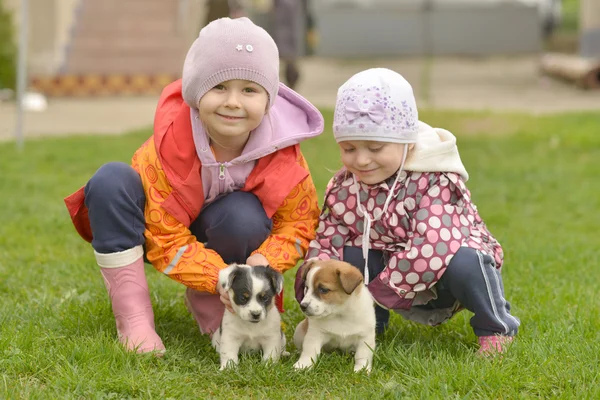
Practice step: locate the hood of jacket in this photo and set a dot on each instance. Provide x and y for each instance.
(435, 151)
(176, 150)
(291, 120)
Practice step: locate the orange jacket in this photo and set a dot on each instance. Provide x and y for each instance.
(170, 172)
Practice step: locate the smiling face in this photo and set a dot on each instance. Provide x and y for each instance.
(232, 109)
(371, 162)
(329, 284)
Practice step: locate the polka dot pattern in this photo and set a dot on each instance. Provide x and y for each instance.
(428, 220)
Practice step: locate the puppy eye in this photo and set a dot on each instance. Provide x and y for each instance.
(264, 297)
(244, 298)
(323, 290)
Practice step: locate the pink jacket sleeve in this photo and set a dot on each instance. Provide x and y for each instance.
(329, 242)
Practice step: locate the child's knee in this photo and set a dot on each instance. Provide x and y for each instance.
(112, 180)
(242, 218)
(465, 267)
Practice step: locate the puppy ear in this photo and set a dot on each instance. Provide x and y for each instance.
(350, 278)
(308, 264)
(227, 275)
(275, 278)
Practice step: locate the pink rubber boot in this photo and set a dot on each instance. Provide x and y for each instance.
(128, 291)
(206, 308)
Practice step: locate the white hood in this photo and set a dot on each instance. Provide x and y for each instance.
(435, 151)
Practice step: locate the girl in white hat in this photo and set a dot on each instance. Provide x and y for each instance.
(399, 210)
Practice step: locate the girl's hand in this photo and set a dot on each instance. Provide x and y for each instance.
(224, 297)
(257, 259)
(237, 14)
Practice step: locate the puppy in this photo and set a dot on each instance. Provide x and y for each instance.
(256, 323)
(339, 314)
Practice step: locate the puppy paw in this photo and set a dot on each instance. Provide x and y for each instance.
(272, 359)
(226, 364)
(362, 367)
(302, 364)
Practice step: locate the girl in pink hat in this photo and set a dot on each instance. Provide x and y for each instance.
(222, 180)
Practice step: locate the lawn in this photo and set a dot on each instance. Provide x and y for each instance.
(534, 179)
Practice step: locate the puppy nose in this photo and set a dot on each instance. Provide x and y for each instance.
(303, 306)
(255, 315)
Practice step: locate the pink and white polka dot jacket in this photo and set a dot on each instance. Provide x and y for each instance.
(427, 221)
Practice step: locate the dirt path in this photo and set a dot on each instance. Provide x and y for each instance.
(497, 84)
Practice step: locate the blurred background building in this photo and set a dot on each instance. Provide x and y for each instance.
(107, 46)
(97, 66)
(136, 46)
(424, 27)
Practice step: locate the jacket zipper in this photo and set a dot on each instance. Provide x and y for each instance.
(221, 177)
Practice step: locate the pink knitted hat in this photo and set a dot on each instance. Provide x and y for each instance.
(230, 49)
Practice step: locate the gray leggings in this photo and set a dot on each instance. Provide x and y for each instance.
(471, 279)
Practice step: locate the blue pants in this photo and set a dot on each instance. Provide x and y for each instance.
(471, 279)
(234, 225)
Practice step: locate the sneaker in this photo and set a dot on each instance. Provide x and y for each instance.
(497, 344)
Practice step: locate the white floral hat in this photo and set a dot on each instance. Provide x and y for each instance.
(376, 104)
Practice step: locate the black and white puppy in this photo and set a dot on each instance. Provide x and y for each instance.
(256, 324)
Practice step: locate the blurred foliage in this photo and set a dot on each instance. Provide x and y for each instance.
(8, 51)
(570, 22)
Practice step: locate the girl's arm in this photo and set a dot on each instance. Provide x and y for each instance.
(438, 225)
(170, 246)
(332, 234)
(294, 225)
(329, 241)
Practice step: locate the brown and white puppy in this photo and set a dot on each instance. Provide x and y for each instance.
(339, 314)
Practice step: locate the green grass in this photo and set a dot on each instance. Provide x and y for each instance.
(535, 180)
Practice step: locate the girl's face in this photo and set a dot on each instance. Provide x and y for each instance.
(371, 162)
(232, 109)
